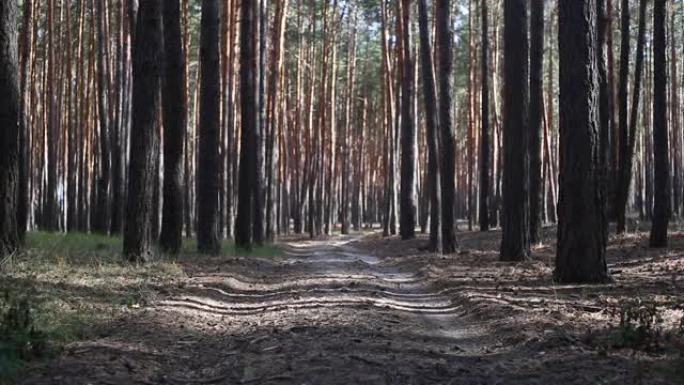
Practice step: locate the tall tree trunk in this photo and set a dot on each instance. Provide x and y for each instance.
(628, 128)
(101, 224)
(661, 201)
(27, 42)
(430, 97)
(147, 72)
(10, 123)
(448, 151)
(50, 214)
(605, 110)
(485, 157)
(407, 222)
(249, 118)
(515, 242)
(536, 118)
(175, 121)
(581, 214)
(207, 168)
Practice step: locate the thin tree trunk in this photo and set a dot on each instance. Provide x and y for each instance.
(536, 117)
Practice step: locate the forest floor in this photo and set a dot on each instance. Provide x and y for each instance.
(363, 309)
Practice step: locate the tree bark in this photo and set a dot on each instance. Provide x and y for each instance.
(448, 151)
(485, 157)
(175, 121)
(9, 127)
(581, 214)
(661, 201)
(536, 118)
(515, 242)
(207, 168)
(147, 72)
(249, 119)
(407, 222)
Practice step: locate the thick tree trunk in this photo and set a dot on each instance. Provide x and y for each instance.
(10, 117)
(147, 72)
(515, 242)
(175, 120)
(24, 144)
(581, 211)
(207, 168)
(407, 222)
(430, 97)
(661, 201)
(249, 119)
(536, 118)
(448, 151)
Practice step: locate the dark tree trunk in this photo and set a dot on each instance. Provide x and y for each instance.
(50, 214)
(101, 224)
(407, 222)
(485, 157)
(147, 72)
(207, 167)
(175, 118)
(536, 117)
(661, 201)
(448, 151)
(581, 213)
(628, 130)
(605, 109)
(515, 242)
(622, 99)
(259, 200)
(24, 152)
(9, 127)
(430, 97)
(249, 120)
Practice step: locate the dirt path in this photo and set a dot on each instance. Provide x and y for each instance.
(331, 312)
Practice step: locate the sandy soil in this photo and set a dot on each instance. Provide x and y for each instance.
(370, 310)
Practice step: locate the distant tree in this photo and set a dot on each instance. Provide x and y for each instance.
(581, 210)
(101, 219)
(430, 97)
(661, 201)
(515, 242)
(407, 199)
(207, 168)
(9, 127)
(147, 73)
(536, 117)
(250, 121)
(448, 150)
(175, 120)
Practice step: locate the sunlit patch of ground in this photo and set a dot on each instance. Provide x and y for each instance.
(364, 309)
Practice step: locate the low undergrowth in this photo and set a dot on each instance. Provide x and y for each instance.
(64, 287)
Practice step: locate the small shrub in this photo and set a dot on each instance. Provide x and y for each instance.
(19, 339)
(640, 325)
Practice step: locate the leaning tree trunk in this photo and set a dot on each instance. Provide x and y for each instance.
(661, 201)
(581, 212)
(147, 71)
(515, 241)
(407, 222)
(536, 118)
(249, 120)
(448, 150)
(9, 127)
(175, 120)
(207, 167)
(430, 97)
